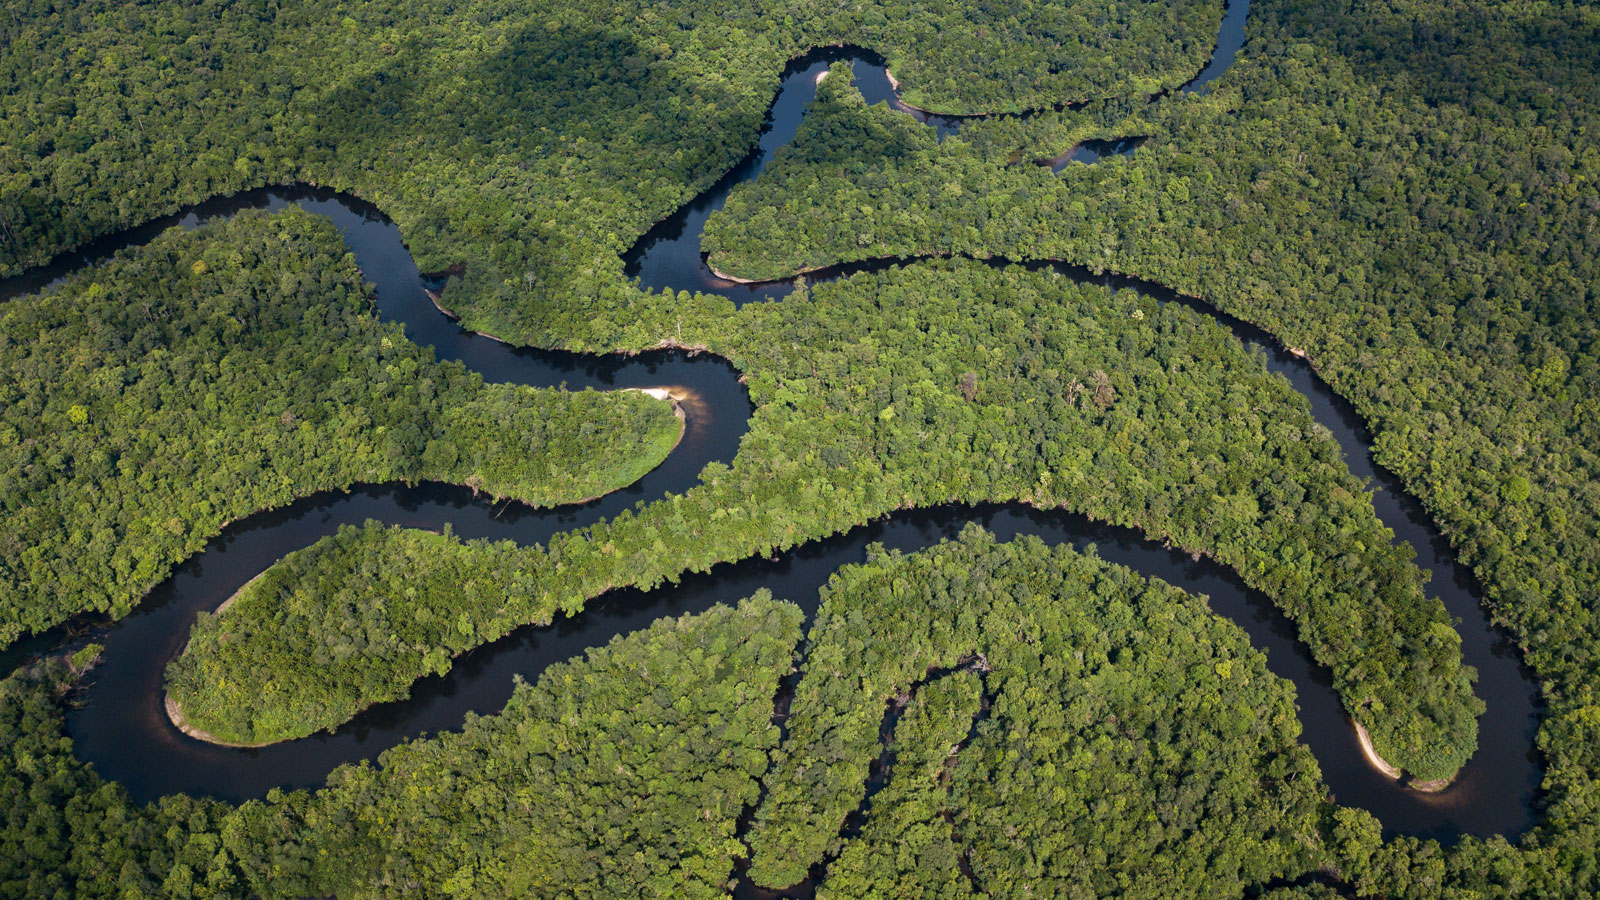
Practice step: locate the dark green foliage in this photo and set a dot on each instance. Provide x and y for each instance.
(546, 448)
(618, 775)
(861, 411)
(535, 142)
(622, 775)
(66, 834)
(1137, 746)
(209, 375)
(1407, 190)
(386, 606)
(994, 57)
(861, 182)
(841, 146)
(1312, 891)
(908, 841)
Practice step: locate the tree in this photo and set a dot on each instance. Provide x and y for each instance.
(1104, 395)
(968, 385)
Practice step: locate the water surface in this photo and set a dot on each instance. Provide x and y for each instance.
(123, 731)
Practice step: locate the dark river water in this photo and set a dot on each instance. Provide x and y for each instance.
(123, 731)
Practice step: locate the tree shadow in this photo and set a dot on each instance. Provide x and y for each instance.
(617, 104)
(1464, 55)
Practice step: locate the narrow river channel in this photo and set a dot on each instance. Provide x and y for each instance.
(123, 731)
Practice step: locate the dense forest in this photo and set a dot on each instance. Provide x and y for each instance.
(1407, 191)
(1136, 745)
(906, 840)
(587, 784)
(533, 141)
(149, 401)
(941, 383)
(1150, 729)
(380, 607)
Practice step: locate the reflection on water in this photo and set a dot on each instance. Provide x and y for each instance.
(123, 731)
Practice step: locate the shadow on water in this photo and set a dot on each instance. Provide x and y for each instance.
(1230, 40)
(1092, 151)
(668, 257)
(123, 731)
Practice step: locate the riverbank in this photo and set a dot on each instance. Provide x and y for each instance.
(175, 713)
(1371, 753)
(176, 717)
(1393, 771)
(490, 358)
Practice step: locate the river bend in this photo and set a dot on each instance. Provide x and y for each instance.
(123, 731)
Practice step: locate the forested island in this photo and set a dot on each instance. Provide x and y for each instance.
(204, 377)
(636, 587)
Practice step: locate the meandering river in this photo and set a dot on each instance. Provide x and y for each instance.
(123, 731)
